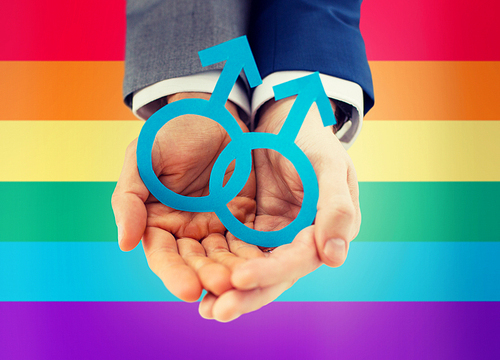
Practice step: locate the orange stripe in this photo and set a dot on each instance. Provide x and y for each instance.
(62, 90)
(404, 90)
(436, 90)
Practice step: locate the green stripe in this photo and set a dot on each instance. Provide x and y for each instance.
(430, 211)
(392, 211)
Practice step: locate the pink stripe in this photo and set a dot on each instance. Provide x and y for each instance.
(282, 330)
(393, 30)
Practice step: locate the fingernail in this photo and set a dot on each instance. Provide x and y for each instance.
(120, 234)
(335, 250)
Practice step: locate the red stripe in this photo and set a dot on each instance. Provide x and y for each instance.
(62, 30)
(431, 30)
(393, 30)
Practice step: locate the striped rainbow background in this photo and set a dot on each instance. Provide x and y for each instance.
(422, 280)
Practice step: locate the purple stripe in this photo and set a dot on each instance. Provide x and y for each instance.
(282, 330)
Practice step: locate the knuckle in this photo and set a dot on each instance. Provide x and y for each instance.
(345, 211)
(131, 147)
(357, 226)
(115, 199)
(155, 261)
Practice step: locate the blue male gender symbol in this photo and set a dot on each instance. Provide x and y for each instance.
(308, 89)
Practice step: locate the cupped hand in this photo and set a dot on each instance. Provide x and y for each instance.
(187, 250)
(279, 196)
(280, 192)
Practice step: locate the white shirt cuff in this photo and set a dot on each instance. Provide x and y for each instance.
(335, 88)
(202, 82)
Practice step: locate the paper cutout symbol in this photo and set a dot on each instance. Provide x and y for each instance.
(308, 89)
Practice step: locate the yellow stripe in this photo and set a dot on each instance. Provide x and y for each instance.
(404, 90)
(64, 150)
(385, 150)
(428, 151)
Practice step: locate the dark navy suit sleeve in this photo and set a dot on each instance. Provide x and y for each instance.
(313, 35)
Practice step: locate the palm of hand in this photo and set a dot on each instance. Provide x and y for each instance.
(279, 187)
(279, 191)
(183, 158)
(279, 199)
(189, 251)
(260, 280)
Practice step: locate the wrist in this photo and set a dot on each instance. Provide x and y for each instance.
(273, 114)
(230, 106)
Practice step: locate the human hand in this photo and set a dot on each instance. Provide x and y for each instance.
(279, 189)
(279, 196)
(183, 248)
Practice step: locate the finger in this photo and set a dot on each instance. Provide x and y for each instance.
(128, 202)
(286, 264)
(336, 215)
(217, 250)
(229, 251)
(206, 305)
(214, 277)
(235, 303)
(164, 260)
(352, 181)
(242, 249)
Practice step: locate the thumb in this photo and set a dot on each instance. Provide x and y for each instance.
(338, 216)
(128, 202)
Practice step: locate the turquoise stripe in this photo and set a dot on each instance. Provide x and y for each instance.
(392, 211)
(374, 271)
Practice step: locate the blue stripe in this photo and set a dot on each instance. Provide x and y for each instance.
(382, 271)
